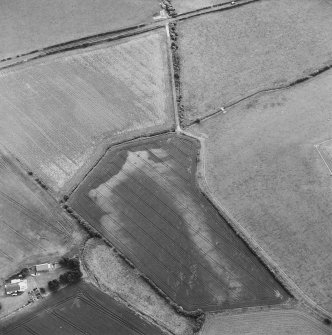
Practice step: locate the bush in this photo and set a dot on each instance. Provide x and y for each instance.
(327, 321)
(53, 285)
(25, 272)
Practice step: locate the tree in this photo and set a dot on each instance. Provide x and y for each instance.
(42, 290)
(53, 285)
(25, 272)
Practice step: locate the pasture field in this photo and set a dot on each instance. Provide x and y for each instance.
(263, 166)
(183, 6)
(56, 113)
(79, 309)
(116, 278)
(278, 322)
(27, 26)
(33, 230)
(228, 55)
(144, 199)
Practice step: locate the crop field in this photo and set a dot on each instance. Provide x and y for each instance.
(182, 6)
(229, 55)
(80, 309)
(263, 166)
(284, 322)
(54, 114)
(29, 25)
(143, 198)
(32, 229)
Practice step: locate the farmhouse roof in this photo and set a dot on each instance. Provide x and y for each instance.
(13, 287)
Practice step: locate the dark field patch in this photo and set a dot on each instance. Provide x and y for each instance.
(80, 309)
(144, 199)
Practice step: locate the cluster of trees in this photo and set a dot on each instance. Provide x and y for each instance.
(39, 181)
(72, 276)
(167, 5)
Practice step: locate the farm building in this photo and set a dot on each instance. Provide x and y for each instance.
(44, 267)
(20, 286)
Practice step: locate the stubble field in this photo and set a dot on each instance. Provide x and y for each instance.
(56, 113)
(280, 322)
(33, 230)
(144, 199)
(80, 309)
(231, 54)
(29, 25)
(263, 166)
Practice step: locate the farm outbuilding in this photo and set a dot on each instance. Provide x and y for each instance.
(44, 267)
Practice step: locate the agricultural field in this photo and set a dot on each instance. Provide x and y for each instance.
(33, 229)
(278, 322)
(29, 25)
(267, 163)
(231, 54)
(144, 199)
(183, 6)
(58, 114)
(80, 309)
(116, 278)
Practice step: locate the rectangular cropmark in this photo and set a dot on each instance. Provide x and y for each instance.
(324, 150)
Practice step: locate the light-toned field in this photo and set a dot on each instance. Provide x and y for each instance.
(280, 322)
(29, 25)
(32, 229)
(119, 280)
(182, 6)
(228, 55)
(55, 113)
(263, 167)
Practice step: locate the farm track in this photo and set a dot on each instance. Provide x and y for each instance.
(114, 35)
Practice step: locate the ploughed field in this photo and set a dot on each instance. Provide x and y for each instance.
(32, 228)
(259, 46)
(272, 322)
(268, 162)
(144, 199)
(29, 25)
(55, 112)
(79, 309)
